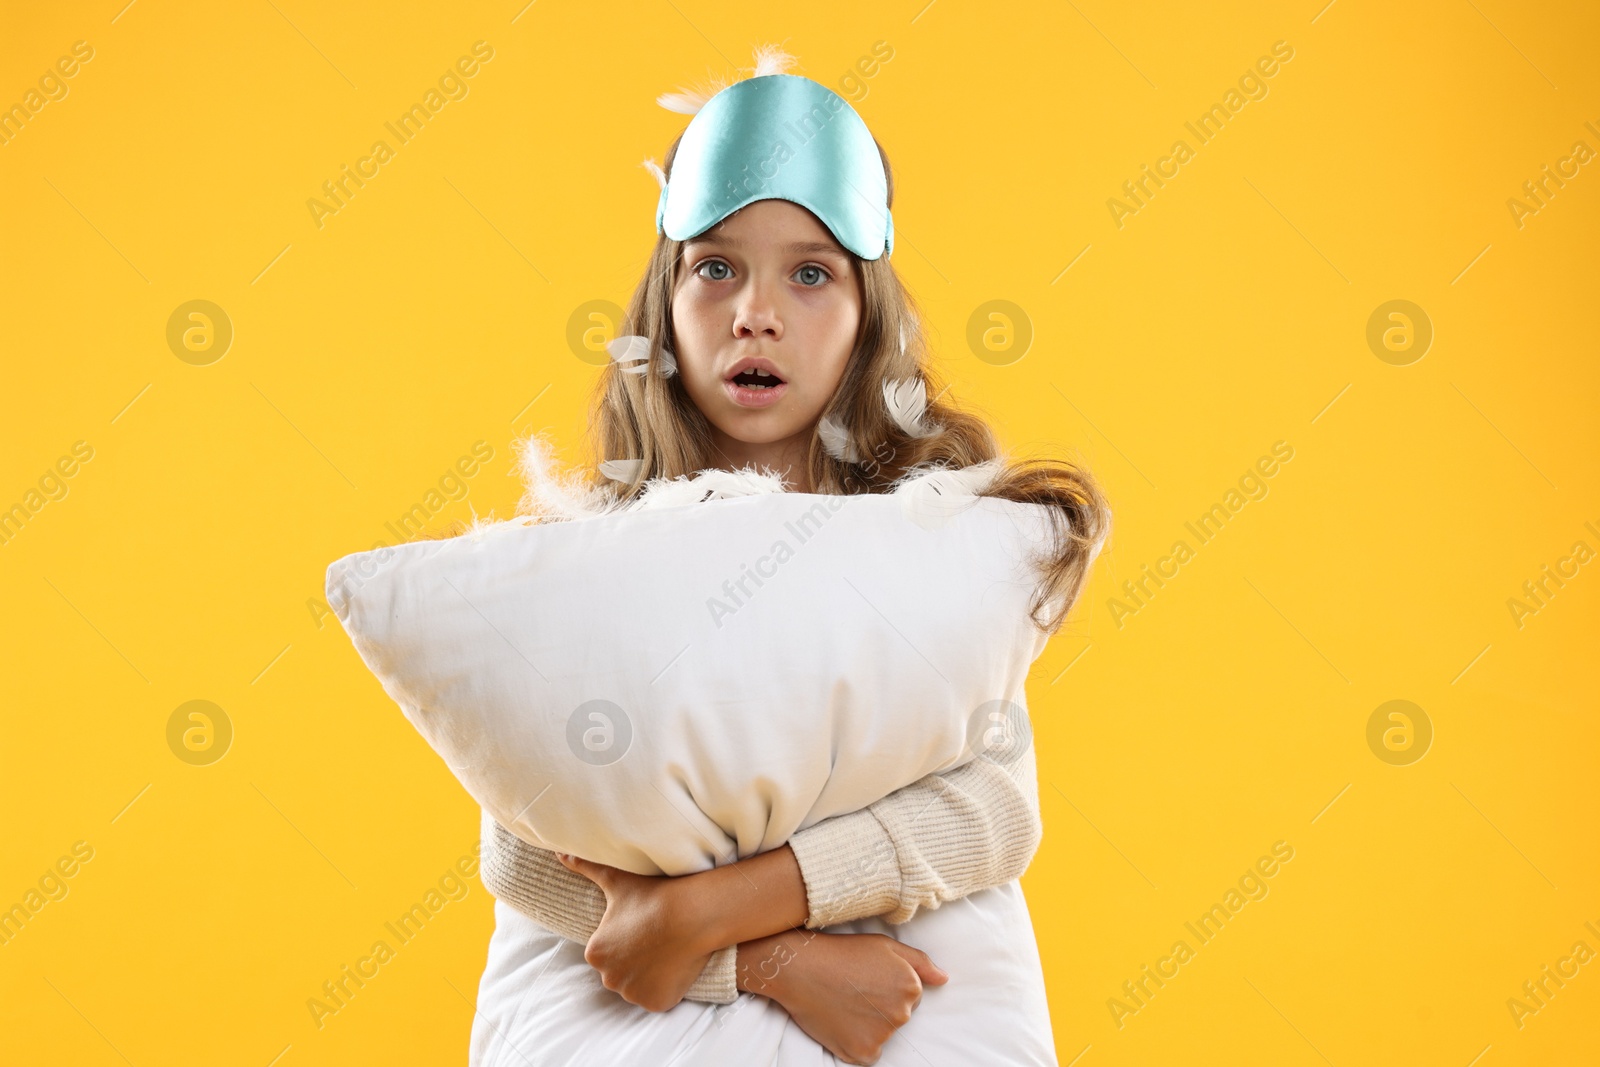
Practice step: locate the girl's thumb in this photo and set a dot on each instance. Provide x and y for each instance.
(589, 869)
(930, 973)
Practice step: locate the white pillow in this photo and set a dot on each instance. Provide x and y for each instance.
(665, 687)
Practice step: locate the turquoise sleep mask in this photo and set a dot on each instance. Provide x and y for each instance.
(779, 137)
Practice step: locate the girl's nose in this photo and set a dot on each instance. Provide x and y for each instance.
(756, 314)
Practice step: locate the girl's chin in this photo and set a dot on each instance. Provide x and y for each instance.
(759, 427)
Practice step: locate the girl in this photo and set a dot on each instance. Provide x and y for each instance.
(772, 331)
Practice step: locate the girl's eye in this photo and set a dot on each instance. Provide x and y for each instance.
(811, 269)
(810, 275)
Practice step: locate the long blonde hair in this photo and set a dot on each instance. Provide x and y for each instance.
(651, 418)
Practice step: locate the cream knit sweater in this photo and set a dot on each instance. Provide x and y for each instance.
(937, 839)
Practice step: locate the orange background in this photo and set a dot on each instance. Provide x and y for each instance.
(184, 560)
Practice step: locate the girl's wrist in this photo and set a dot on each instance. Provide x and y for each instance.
(747, 901)
(767, 966)
(693, 907)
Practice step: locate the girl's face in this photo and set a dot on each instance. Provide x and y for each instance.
(768, 287)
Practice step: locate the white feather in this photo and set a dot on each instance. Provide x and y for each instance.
(655, 168)
(628, 348)
(684, 103)
(688, 101)
(710, 484)
(621, 470)
(771, 59)
(932, 496)
(553, 495)
(481, 525)
(836, 440)
(634, 349)
(907, 399)
(549, 493)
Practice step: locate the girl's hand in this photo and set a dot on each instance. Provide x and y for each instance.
(849, 992)
(648, 947)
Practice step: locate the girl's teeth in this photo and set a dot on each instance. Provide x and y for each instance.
(758, 379)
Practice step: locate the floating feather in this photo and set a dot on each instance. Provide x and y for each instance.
(629, 348)
(690, 101)
(621, 470)
(907, 399)
(932, 496)
(836, 440)
(710, 484)
(634, 349)
(770, 59)
(551, 494)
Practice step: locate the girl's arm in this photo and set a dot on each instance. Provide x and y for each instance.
(534, 882)
(942, 837)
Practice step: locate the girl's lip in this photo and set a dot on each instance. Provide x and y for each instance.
(747, 397)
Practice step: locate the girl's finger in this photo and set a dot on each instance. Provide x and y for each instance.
(930, 973)
(589, 869)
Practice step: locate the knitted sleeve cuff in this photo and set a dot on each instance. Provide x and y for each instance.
(534, 882)
(719, 981)
(962, 830)
(849, 867)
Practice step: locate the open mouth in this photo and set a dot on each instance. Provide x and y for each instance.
(756, 386)
(754, 379)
